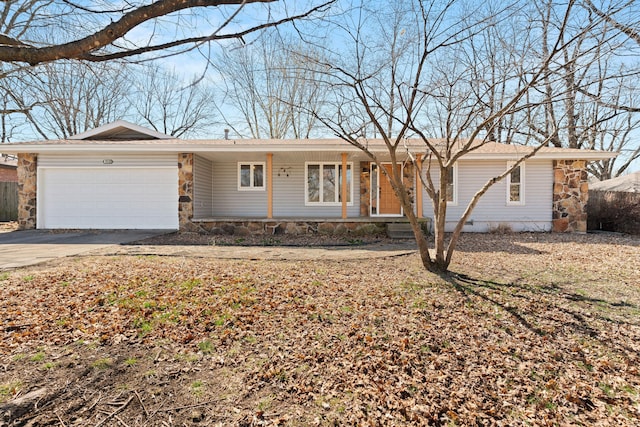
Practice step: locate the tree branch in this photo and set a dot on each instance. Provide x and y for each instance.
(625, 29)
(86, 47)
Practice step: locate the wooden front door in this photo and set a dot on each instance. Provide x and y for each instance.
(383, 200)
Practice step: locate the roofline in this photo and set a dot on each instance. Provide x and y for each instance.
(120, 123)
(232, 147)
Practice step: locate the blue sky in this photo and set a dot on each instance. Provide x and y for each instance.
(195, 62)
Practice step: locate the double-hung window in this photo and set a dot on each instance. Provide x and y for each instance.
(515, 185)
(323, 183)
(251, 176)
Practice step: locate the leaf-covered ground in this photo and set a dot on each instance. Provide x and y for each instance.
(533, 329)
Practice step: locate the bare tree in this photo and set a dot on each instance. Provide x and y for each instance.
(630, 26)
(419, 89)
(68, 98)
(594, 83)
(105, 31)
(264, 83)
(17, 17)
(41, 31)
(167, 103)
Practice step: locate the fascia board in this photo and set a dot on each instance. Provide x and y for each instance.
(586, 155)
(172, 148)
(183, 147)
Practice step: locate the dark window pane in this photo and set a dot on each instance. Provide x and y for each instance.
(329, 183)
(450, 185)
(245, 175)
(258, 176)
(313, 183)
(515, 175)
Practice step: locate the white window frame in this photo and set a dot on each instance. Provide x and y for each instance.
(338, 165)
(454, 201)
(520, 202)
(251, 186)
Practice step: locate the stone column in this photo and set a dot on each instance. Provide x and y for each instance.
(365, 183)
(27, 190)
(570, 195)
(185, 191)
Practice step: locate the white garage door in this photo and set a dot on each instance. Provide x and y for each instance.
(108, 198)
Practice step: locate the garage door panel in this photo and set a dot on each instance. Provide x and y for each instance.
(143, 197)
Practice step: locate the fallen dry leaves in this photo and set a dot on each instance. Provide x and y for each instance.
(533, 329)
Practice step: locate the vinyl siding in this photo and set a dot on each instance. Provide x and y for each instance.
(492, 209)
(202, 187)
(227, 200)
(97, 160)
(288, 190)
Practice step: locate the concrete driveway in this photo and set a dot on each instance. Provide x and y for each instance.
(29, 247)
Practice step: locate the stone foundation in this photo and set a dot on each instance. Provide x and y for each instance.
(275, 227)
(570, 196)
(185, 192)
(27, 190)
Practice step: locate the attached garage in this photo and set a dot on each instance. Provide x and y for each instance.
(107, 191)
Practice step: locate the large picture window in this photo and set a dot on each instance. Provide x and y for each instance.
(515, 185)
(251, 176)
(323, 183)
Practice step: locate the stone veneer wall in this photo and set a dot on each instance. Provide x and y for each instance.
(570, 196)
(27, 190)
(185, 191)
(292, 227)
(409, 178)
(365, 184)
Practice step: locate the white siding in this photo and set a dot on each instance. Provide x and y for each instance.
(288, 189)
(227, 200)
(202, 187)
(108, 160)
(492, 210)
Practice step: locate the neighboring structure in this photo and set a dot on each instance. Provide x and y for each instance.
(8, 188)
(614, 204)
(8, 168)
(627, 183)
(124, 176)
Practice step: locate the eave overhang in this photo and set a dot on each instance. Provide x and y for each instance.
(489, 152)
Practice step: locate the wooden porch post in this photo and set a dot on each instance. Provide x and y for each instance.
(269, 185)
(344, 185)
(418, 186)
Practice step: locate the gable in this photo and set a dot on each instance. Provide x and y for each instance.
(120, 130)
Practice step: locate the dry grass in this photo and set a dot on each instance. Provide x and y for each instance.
(533, 329)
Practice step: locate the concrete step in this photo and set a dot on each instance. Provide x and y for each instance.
(397, 235)
(399, 230)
